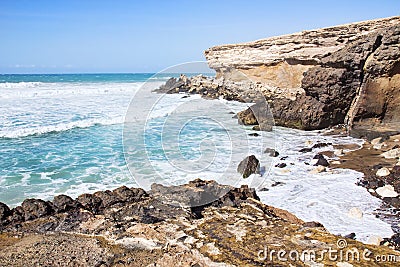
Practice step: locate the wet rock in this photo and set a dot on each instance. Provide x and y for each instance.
(271, 152)
(313, 224)
(350, 236)
(36, 208)
(383, 172)
(281, 165)
(376, 141)
(249, 165)
(319, 160)
(17, 214)
(90, 203)
(63, 203)
(254, 134)
(305, 150)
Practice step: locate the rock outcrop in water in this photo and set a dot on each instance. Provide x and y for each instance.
(348, 74)
(131, 227)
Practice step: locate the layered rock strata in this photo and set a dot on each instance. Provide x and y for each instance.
(347, 74)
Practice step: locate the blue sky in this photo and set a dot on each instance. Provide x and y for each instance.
(147, 36)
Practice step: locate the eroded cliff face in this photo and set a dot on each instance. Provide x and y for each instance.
(344, 74)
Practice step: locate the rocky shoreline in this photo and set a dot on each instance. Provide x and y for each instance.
(345, 77)
(131, 227)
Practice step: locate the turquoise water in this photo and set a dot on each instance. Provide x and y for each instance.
(63, 133)
(78, 133)
(86, 77)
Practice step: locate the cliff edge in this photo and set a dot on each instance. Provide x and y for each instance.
(347, 74)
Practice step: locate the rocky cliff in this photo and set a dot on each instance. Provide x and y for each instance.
(343, 74)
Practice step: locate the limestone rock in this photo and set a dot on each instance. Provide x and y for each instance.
(319, 78)
(318, 169)
(319, 160)
(386, 191)
(355, 213)
(392, 154)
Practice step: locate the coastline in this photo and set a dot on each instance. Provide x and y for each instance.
(209, 223)
(129, 226)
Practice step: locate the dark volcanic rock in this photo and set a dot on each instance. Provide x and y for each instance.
(64, 203)
(281, 165)
(305, 150)
(321, 160)
(393, 241)
(36, 208)
(126, 194)
(249, 166)
(90, 202)
(195, 193)
(107, 198)
(271, 152)
(258, 114)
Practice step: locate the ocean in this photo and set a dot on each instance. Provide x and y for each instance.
(80, 133)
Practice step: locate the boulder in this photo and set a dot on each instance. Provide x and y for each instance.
(249, 165)
(35, 208)
(383, 172)
(391, 154)
(386, 191)
(62, 203)
(347, 74)
(271, 152)
(318, 169)
(355, 213)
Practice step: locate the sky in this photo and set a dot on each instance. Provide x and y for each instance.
(48, 36)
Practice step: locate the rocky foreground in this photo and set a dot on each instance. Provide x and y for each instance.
(131, 227)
